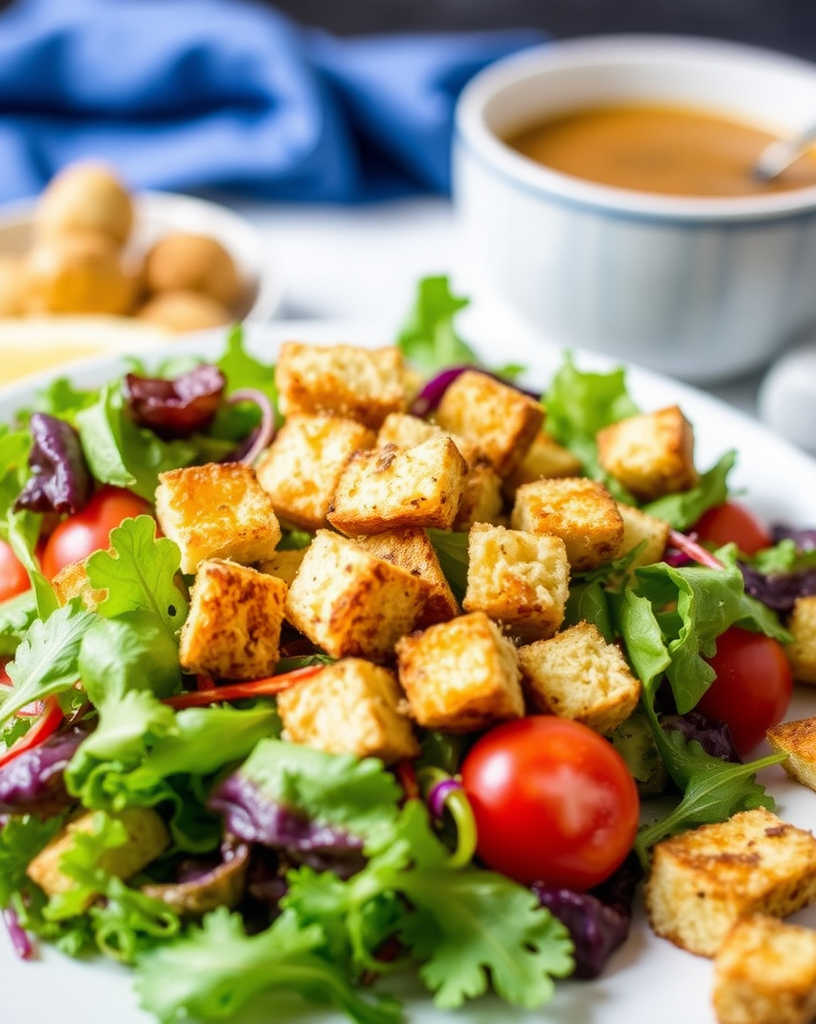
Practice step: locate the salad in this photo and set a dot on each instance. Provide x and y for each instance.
(157, 816)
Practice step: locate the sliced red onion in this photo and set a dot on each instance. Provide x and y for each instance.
(19, 936)
(438, 795)
(260, 438)
(431, 394)
(696, 552)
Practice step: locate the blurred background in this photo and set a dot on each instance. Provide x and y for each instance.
(788, 25)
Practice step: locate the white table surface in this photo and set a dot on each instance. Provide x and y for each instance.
(362, 263)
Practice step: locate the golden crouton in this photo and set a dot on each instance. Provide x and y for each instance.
(350, 603)
(283, 563)
(72, 581)
(481, 500)
(300, 469)
(390, 488)
(703, 881)
(351, 707)
(639, 526)
(521, 579)
(502, 420)
(412, 551)
(147, 838)
(578, 675)
(797, 739)
(544, 458)
(651, 454)
(216, 511)
(359, 383)
(232, 630)
(581, 512)
(765, 973)
(802, 652)
(404, 430)
(461, 675)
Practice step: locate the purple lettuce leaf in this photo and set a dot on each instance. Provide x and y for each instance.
(253, 817)
(175, 408)
(597, 921)
(60, 480)
(713, 736)
(33, 782)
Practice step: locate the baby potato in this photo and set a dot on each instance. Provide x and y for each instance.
(184, 262)
(79, 272)
(185, 311)
(12, 285)
(85, 197)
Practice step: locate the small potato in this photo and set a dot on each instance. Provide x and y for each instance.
(79, 272)
(184, 311)
(12, 285)
(193, 263)
(85, 197)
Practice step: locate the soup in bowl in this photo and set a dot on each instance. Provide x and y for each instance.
(606, 190)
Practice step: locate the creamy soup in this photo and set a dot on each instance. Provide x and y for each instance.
(659, 149)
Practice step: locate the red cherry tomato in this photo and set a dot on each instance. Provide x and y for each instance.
(732, 522)
(753, 687)
(553, 801)
(89, 530)
(13, 577)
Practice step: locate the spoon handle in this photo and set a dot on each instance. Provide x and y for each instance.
(781, 153)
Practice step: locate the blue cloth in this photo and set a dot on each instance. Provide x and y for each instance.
(195, 95)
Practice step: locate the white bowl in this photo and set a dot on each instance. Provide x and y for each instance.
(157, 214)
(702, 289)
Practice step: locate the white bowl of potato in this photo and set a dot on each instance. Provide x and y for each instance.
(88, 256)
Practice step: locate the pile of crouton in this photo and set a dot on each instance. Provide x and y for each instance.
(367, 480)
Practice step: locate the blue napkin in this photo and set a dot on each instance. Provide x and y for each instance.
(196, 95)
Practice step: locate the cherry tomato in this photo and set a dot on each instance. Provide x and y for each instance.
(732, 522)
(13, 577)
(753, 687)
(553, 801)
(89, 530)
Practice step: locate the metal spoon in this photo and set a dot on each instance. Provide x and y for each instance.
(781, 153)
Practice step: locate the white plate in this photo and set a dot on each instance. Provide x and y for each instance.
(648, 979)
(156, 214)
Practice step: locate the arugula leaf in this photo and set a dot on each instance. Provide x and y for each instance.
(139, 573)
(428, 338)
(713, 790)
(683, 509)
(47, 660)
(216, 968)
(121, 453)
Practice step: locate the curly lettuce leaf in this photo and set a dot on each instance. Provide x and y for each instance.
(214, 969)
(139, 573)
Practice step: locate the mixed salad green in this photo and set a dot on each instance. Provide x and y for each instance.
(286, 868)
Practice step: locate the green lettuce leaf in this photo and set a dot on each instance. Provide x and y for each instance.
(216, 968)
(47, 660)
(683, 509)
(428, 338)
